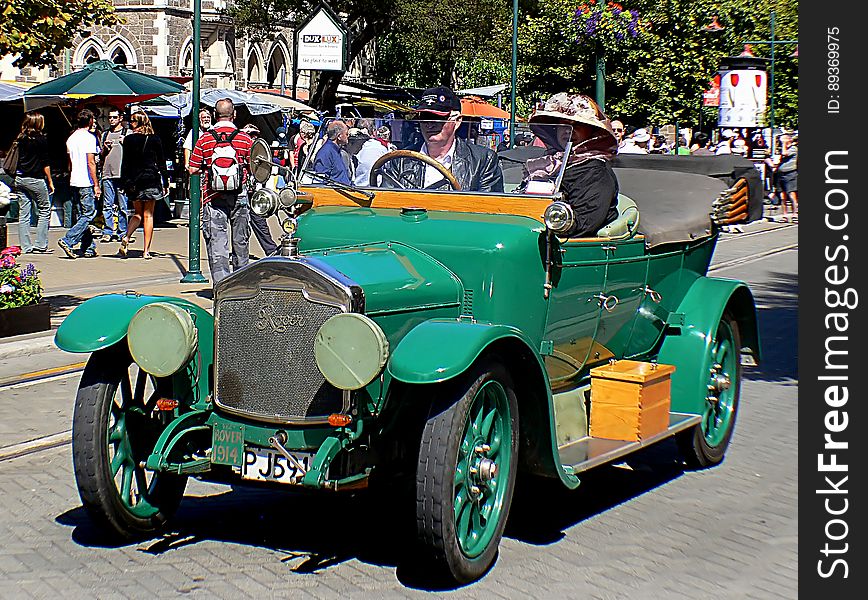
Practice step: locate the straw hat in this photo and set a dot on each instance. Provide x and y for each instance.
(578, 108)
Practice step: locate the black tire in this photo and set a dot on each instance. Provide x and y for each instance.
(438, 469)
(694, 443)
(153, 498)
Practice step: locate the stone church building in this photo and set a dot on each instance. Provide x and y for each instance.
(157, 38)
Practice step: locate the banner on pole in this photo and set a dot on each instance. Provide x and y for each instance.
(711, 96)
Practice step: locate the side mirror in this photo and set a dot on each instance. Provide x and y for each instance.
(260, 160)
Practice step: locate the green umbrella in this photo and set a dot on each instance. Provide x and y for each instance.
(117, 84)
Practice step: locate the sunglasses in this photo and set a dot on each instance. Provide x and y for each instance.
(617, 129)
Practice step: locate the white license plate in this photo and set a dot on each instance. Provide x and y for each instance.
(265, 464)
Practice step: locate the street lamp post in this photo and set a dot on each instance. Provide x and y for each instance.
(194, 270)
(600, 69)
(514, 74)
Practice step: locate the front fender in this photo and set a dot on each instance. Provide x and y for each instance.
(702, 308)
(103, 321)
(439, 349)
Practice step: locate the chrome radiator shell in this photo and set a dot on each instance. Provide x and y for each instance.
(265, 319)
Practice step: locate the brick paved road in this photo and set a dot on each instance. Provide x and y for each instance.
(639, 530)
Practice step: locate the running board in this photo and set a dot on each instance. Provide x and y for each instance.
(590, 452)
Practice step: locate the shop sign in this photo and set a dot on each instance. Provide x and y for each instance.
(322, 43)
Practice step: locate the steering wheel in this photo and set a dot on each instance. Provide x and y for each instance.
(413, 155)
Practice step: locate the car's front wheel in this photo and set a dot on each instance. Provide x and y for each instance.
(115, 426)
(705, 444)
(466, 472)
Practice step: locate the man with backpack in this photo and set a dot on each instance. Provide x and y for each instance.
(222, 155)
(112, 152)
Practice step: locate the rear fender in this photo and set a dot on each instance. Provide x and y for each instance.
(702, 308)
(439, 350)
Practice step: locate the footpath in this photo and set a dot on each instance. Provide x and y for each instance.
(28, 359)
(69, 282)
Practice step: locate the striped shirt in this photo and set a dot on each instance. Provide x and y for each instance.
(204, 149)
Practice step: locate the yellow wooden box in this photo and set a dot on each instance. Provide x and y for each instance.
(630, 400)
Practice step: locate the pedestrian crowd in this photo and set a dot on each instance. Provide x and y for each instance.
(117, 175)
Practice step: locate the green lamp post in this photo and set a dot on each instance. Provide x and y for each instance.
(514, 73)
(194, 270)
(772, 42)
(600, 62)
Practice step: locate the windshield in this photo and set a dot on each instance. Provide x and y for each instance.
(443, 155)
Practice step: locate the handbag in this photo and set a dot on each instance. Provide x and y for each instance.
(10, 162)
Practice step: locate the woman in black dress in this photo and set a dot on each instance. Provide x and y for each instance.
(589, 183)
(144, 177)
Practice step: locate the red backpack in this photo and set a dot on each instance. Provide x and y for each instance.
(225, 169)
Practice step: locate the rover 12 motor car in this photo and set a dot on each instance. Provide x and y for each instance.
(448, 338)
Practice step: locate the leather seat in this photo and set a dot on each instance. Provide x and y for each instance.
(627, 223)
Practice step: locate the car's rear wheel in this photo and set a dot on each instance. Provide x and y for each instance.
(115, 426)
(705, 444)
(466, 472)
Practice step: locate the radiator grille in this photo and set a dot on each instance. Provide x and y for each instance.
(264, 358)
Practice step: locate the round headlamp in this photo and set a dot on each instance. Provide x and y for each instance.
(559, 217)
(350, 350)
(162, 338)
(287, 197)
(264, 202)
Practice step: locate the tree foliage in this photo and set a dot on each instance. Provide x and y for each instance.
(459, 43)
(365, 20)
(38, 30)
(658, 77)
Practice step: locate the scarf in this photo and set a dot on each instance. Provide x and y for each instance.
(600, 147)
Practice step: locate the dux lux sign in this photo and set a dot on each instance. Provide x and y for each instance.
(322, 43)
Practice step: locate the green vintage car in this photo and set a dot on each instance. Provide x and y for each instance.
(438, 337)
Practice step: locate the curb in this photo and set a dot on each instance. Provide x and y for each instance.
(26, 345)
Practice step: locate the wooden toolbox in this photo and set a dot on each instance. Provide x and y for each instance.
(630, 400)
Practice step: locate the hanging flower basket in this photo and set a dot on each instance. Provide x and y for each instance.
(608, 23)
(22, 309)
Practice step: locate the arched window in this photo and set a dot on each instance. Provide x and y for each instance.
(122, 52)
(91, 56)
(119, 57)
(276, 67)
(254, 67)
(187, 58)
(88, 51)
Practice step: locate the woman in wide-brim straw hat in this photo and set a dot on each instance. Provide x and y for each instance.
(589, 184)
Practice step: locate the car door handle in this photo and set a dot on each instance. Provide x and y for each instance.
(607, 302)
(653, 294)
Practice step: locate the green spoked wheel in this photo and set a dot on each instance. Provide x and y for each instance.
(466, 473)
(705, 445)
(115, 426)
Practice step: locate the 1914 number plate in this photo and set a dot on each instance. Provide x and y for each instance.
(265, 464)
(227, 444)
